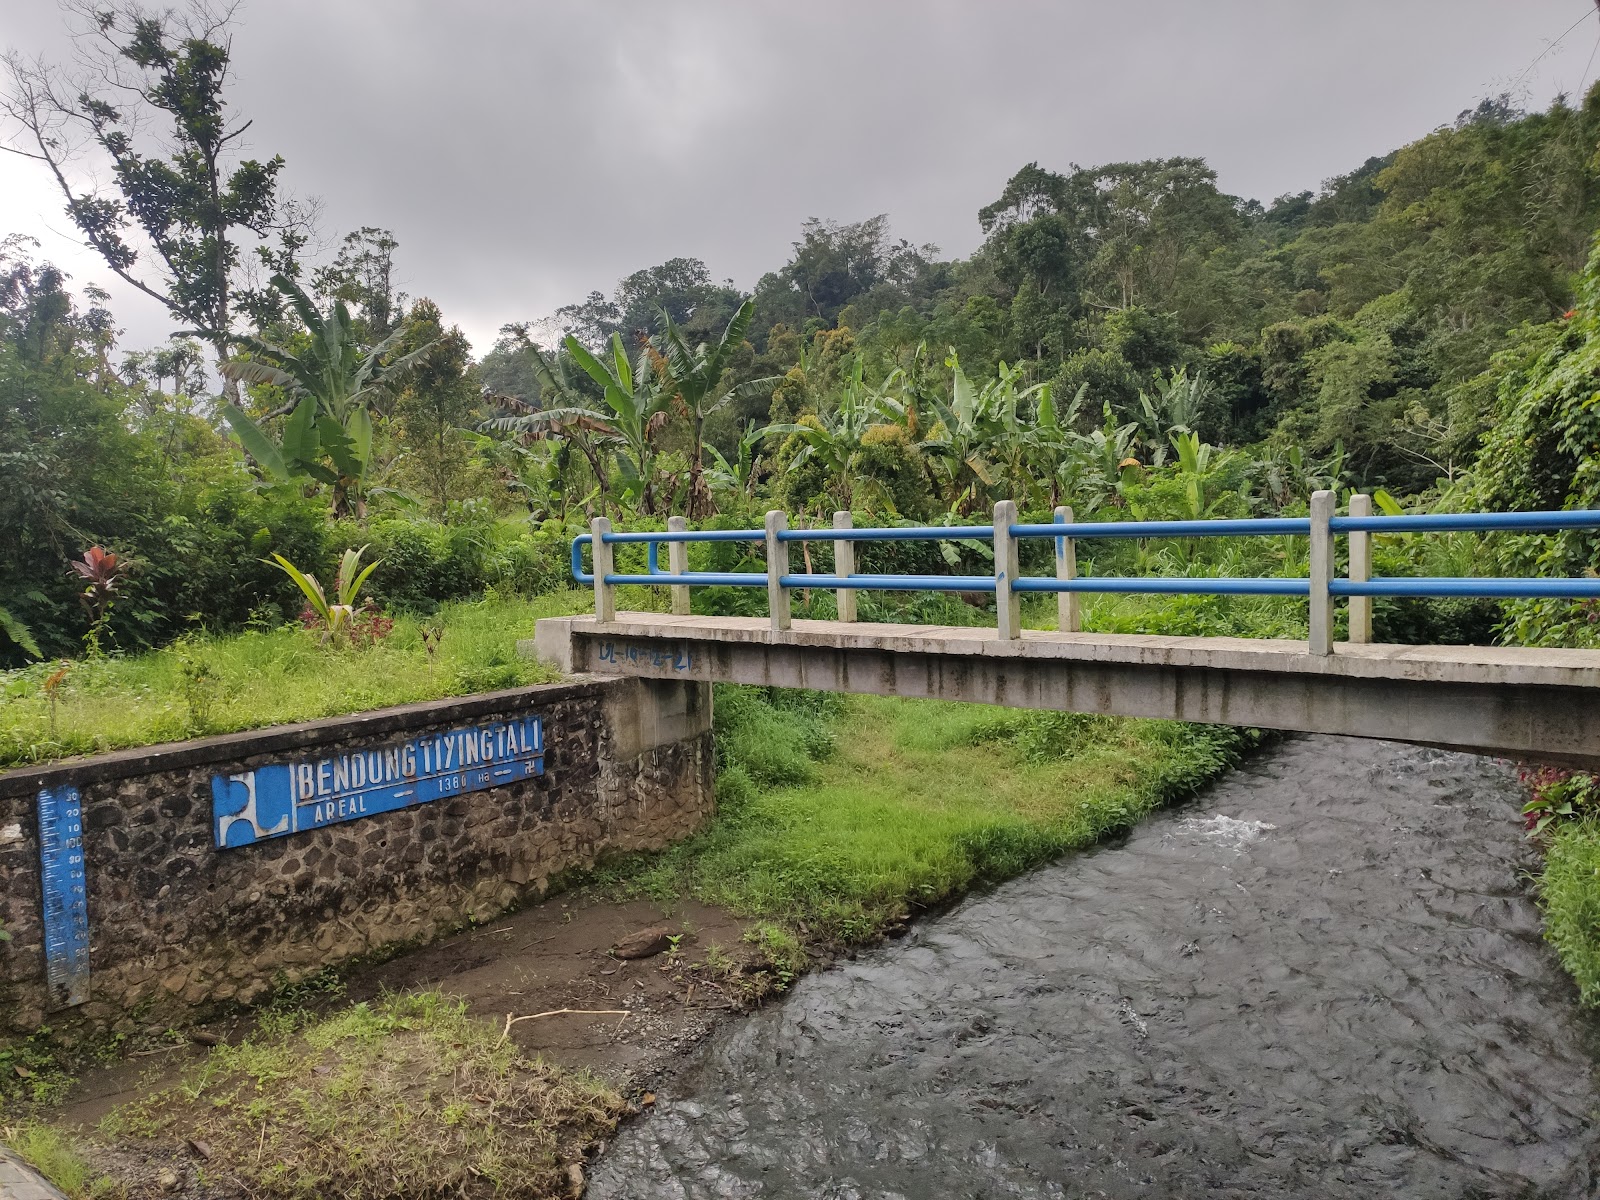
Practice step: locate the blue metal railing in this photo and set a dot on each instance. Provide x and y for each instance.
(1321, 587)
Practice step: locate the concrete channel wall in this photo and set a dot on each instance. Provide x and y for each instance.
(216, 869)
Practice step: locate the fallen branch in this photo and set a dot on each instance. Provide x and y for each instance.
(512, 1018)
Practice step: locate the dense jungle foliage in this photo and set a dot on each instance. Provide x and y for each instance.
(1129, 339)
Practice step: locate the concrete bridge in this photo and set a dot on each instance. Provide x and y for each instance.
(1519, 702)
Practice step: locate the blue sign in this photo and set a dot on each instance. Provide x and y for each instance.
(66, 895)
(285, 798)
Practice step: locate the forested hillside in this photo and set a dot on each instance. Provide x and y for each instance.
(1129, 339)
(1363, 316)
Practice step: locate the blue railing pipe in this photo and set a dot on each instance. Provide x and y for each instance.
(892, 583)
(1252, 527)
(689, 535)
(1524, 522)
(1167, 585)
(1478, 586)
(911, 533)
(1007, 583)
(578, 543)
(692, 579)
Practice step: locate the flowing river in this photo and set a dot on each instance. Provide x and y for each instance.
(1322, 978)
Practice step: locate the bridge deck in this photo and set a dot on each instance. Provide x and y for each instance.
(1520, 702)
(1538, 666)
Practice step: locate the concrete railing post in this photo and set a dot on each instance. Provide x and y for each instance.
(678, 564)
(844, 563)
(1007, 603)
(605, 595)
(1069, 614)
(1321, 640)
(777, 567)
(1360, 613)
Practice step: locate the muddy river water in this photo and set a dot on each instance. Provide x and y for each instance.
(1322, 978)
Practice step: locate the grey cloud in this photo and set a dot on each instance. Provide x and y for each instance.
(525, 154)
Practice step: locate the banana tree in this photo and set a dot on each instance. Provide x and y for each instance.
(737, 476)
(567, 418)
(1044, 443)
(1097, 466)
(695, 375)
(332, 386)
(981, 436)
(1179, 403)
(638, 405)
(833, 439)
(1198, 466)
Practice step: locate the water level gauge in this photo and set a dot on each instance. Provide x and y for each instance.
(66, 896)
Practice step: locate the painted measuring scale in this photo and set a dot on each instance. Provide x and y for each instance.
(65, 891)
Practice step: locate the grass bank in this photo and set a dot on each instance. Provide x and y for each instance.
(204, 685)
(842, 816)
(405, 1096)
(1570, 894)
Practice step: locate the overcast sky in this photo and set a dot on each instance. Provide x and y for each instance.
(525, 154)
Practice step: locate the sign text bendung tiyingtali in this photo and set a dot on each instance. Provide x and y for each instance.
(284, 798)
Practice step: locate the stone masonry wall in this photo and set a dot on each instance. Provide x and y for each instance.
(176, 923)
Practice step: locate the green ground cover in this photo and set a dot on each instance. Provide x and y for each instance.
(841, 816)
(1570, 893)
(205, 684)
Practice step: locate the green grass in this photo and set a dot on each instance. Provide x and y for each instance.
(842, 815)
(50, 1152)
(205, 685)
(407, 1096)
(1570, 894)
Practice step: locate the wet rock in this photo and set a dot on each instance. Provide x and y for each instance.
(644, 944)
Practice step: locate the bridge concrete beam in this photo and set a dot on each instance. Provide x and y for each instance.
(1538, 704)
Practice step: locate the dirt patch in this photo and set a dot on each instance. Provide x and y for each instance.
(544, 979)
(557, 956)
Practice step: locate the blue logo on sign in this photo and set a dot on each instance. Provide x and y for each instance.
(285, 798)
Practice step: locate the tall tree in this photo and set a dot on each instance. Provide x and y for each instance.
(834, 265)
(436, 406)
(363, 274)
(148, 114)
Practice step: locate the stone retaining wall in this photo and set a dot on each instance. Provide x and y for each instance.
(176, 922)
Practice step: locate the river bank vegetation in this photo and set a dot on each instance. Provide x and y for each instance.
(844, 817)
(1129, 339)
